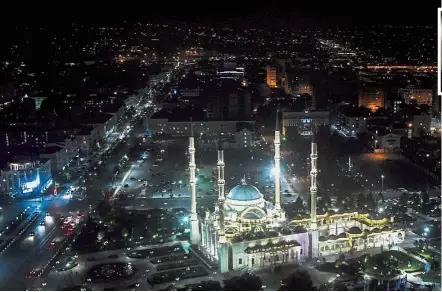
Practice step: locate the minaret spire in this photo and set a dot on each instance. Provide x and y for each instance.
(191, 128)
(194, 230)
(277, 121)
(221, 184)
(277, 142)
(313, 175)
(313, 193)
(350, 164)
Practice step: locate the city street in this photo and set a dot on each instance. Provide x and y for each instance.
(27, 254)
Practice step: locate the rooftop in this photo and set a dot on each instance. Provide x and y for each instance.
(180, 114)
(50, 150)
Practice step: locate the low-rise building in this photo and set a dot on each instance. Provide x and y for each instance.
(353, 121)
(167, 124)
(25, 176)
(241, 139)
(387, 142)
(302, 121)
(417, 95)
(420, 125)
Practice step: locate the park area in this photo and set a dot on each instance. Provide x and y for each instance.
(113, 227)
(387, 263)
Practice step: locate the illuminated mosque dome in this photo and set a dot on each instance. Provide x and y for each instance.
(243, 196)
(244, 192)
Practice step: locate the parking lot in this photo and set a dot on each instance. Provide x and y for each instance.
(162, 179)
(398, 172)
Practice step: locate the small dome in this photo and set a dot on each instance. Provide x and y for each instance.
(342, 235)
(322, 238)
(354, 230)
(375, 230)
(386, 228)
(244, 192)
(231, 230)
(332, 237)
(254, 214)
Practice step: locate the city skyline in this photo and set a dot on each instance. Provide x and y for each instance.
(270, 148)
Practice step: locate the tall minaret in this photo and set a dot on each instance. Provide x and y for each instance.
(194, 231)
(221, 182)
(313, 193)
(277, 142)
(350, 163)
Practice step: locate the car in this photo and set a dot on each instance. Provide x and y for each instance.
(53, 243)
(42, 223)
(48, 214)
(31, 234)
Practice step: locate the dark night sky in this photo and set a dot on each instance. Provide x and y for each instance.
(321, 12)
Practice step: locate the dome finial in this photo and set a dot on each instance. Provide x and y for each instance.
(243, 181)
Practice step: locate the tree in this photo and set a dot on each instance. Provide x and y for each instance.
(340, 260)
(299, 205)
(325, 202)
(370, 201)
(387, 265)
(435, 267)
(246, 282)
(361, 201)
(403, 199)
(298, 281)
(425, 198)
(380, 199)
(104, 208)
(205, 286)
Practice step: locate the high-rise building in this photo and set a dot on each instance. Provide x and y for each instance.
(416, 95)
(371, 97)
(436, 103)
(282, 74)
(271, 76)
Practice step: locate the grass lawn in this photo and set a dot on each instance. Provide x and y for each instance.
(327, 267)
(427, 254)
(430, 277)
(402, 258)
(351, 268)
(355, 263)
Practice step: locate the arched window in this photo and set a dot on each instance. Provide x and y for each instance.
(253, 261)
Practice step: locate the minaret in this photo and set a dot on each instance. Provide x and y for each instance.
(221, 182)
(277, 142)
(194, 231)
(313, 193)
(350, 166)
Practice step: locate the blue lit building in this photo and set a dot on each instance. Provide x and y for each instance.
(26, 177)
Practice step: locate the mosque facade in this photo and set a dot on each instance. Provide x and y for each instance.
(246, 232)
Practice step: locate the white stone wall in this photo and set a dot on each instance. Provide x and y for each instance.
(241, 260)
(360, 244)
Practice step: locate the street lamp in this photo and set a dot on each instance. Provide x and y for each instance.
(382, 183)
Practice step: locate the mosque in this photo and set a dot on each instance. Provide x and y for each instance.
(245, 231)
